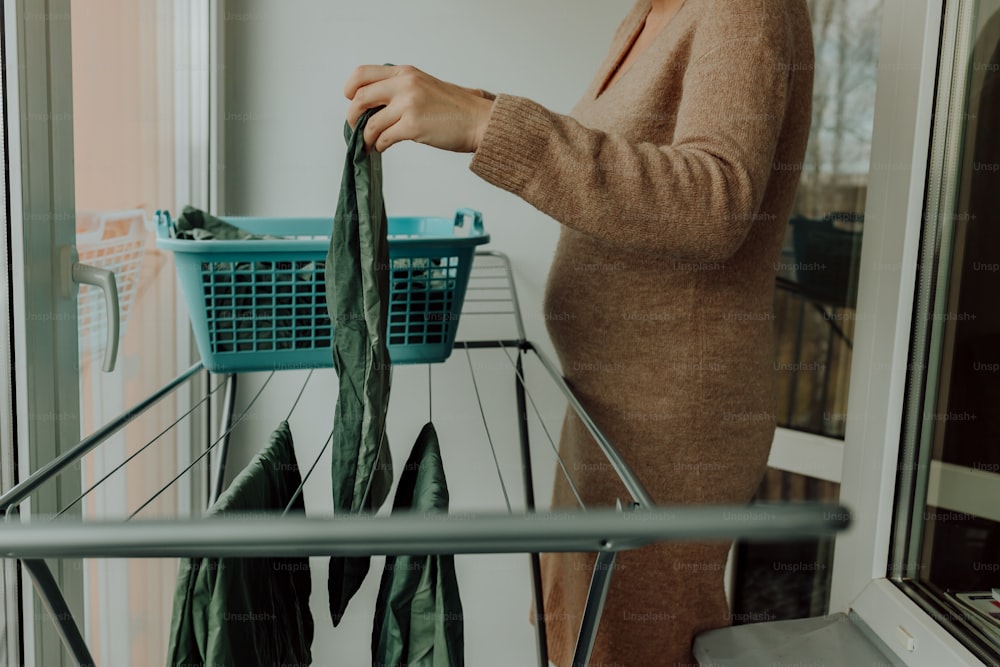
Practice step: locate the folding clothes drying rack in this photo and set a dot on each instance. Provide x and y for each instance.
(604, 531)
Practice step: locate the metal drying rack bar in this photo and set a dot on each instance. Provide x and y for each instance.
(604, 531)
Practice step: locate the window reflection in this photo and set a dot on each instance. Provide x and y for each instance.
(817, 280)
(818, 268)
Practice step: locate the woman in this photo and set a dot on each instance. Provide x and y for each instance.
(673, 179)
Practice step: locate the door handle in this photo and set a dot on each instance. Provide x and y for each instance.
(104, 279)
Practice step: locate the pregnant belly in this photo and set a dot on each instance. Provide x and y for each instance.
(642, 327)
(608, 308)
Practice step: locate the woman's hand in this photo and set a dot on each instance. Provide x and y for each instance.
(418, 107)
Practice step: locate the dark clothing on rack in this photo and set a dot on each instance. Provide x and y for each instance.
(357, 288)
(418, 617)
(247, 611)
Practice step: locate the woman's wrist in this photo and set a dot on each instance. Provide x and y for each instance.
(485, 94)
(483, 111)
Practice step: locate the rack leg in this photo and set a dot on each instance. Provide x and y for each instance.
(226, 422)
(54, 602)
(600, 582)
(529, 500)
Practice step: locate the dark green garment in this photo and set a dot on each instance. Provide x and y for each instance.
(247, 611)
(197, 225)
(418, 617)
(357, 291)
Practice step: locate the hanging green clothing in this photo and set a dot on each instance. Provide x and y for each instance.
(418, 617)
(357, 294)
(247, 611)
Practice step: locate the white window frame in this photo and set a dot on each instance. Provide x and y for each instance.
(808, 454)
(10, 628)
(37, 44)
(37, 59)
(910, 43)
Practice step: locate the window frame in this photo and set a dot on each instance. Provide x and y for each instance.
(37, 48)
(39, 380)
(910, 54)
(925, 482)
(10, 632)
(807, 454)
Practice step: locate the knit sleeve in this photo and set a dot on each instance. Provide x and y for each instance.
(694, 199)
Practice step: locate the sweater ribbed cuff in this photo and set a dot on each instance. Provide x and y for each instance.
(514, 140)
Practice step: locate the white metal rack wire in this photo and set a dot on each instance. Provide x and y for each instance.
(604, 531)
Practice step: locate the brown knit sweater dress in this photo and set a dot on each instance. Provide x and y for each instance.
(673, 188)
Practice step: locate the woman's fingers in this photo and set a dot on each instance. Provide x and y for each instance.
(391, 135)
(367, 74)
(369, 86)
(376, 94)
(381, 121)
(418, 107)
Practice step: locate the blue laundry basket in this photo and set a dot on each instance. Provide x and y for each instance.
(260, 304)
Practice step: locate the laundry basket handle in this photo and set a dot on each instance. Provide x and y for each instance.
(477, 220)
(165, 225)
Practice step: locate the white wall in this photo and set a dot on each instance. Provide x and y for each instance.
(285, 66)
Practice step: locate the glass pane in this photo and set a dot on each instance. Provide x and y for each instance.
(124, 170)
(777, 581)
(949, 552)
(818, 267)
